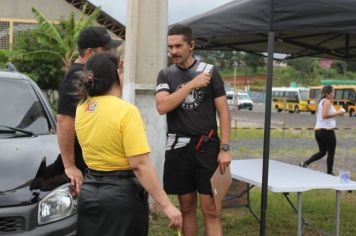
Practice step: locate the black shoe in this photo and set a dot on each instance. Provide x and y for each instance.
(302, 164)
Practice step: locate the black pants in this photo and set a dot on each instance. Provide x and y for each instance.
(112, 204)
(326, 140)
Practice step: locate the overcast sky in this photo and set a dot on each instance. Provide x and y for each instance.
(177, 9)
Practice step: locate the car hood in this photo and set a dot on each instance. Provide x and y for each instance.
(29, 168)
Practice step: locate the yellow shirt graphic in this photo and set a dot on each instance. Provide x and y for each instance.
(110, 130)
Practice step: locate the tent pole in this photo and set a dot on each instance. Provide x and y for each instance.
(266, 136)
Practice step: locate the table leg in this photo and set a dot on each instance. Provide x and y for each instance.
(299, 212)
(337, 231)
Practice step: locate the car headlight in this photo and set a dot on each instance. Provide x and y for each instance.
(57, 205)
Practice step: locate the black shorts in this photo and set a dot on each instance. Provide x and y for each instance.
(187, 170)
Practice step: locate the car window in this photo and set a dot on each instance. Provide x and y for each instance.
(20, 107)
(244, 96)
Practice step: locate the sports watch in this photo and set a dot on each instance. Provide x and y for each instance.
(225, 147)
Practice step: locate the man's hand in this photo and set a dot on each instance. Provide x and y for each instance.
(201, 80)
(76, 178)
(224, 159)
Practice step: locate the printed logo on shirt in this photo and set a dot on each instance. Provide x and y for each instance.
(193, 99)
(91, 107)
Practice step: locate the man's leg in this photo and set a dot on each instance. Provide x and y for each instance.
(211, 213)
(188, 207)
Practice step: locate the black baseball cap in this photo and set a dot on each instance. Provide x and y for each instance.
(96, 36)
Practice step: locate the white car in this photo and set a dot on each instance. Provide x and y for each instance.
(239, 99)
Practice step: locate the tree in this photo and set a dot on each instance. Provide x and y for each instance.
(254, 61)
(59, 40)
(47, 72)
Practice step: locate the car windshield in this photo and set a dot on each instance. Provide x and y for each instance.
(21, 108)
(244, 96)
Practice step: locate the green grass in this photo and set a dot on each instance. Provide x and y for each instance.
(318, 205)
(318, 209)
(238, 134)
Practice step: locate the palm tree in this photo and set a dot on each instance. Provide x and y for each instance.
(59, 39)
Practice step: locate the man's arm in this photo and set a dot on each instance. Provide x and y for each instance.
(66, 139)
(166, 102)
(224, 157)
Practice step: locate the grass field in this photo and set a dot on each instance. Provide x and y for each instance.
(318, 206)
(318, 210)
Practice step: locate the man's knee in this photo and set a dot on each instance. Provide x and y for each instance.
(188, 205)
(210, 211)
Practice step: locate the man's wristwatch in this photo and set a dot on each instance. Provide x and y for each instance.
(225, 147)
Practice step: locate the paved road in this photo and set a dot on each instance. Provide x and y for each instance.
(256, 117)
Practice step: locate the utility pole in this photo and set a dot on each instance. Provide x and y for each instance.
(145, 55)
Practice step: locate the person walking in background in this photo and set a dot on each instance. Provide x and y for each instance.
(113, 198)
(324, 129)
(190, 93)
(91, 40)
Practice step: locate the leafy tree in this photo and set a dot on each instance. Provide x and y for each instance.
(47, 72)
(46, 52)
(59, 41)
(351, 65)
(4, 58)
(254, 61)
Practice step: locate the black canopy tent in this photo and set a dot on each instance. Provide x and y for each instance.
(321, 28)
(318, 28)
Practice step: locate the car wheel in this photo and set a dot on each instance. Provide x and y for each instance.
(352, 113)
(296, 109)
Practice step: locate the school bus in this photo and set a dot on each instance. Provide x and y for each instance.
(290, 99)
(314, 95)
(345, 97)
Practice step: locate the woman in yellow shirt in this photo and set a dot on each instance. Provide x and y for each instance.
(113, 198)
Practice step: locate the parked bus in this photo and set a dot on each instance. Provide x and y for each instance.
(290, 99)
(314, 95)
(345, 97)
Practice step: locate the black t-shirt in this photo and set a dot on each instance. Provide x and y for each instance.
(67, 105)
(68, 100)
(196, 115)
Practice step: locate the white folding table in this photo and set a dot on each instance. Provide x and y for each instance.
(286, 178)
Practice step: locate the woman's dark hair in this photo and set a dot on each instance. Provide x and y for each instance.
(327, 89)
(100, 74)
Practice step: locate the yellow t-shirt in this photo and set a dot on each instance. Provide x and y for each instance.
(109, 131)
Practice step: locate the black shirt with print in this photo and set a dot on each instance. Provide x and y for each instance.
(196, 115)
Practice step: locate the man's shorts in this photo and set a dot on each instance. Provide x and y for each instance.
(186, 170)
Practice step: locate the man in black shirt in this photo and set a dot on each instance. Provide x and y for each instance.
(91, 40)
(191, 93)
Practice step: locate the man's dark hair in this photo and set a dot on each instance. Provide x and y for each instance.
(82, 51)
(184, 30)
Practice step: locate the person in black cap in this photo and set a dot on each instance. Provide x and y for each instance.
(91, 40)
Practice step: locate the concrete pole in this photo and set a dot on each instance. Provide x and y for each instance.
(145, 55)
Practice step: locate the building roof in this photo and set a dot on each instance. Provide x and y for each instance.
(104, 19)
